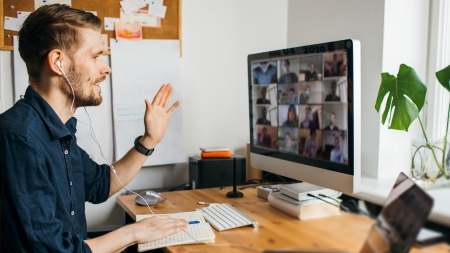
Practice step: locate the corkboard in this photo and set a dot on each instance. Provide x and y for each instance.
(170, 25)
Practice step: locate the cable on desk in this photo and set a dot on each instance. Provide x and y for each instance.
(186, 185)
(342, 205)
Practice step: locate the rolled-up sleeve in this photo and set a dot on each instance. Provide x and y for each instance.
(30, 200)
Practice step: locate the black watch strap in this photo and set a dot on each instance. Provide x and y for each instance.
(141, 148)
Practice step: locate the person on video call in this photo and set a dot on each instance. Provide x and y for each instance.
(288, 76)
(263, 99)
(307, 122)
(310, 148)
(280, 96)
(292, 96)
(336, 153)
(264, 138)
(331, 67)
(311, 74)
(46, 176)
(291, 117)
(332, 126)
(263, 120)
(332, 96)
(304, 97)
(289, 145)
(265, 73)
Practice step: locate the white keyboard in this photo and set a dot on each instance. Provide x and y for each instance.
(224, 216)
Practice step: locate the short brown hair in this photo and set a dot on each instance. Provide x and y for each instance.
(51, 27)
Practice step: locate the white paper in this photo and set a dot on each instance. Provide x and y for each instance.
(39, 3)
(93, 12)
(11, 24)
(109, 23)
(157, 11)
(132, 5)
(140, 17)
(140, 68)
(154, 2)
(22, 15)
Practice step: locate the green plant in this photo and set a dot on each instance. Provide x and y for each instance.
(405, 96)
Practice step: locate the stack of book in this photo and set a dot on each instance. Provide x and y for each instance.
(218, 152)
(293, 199)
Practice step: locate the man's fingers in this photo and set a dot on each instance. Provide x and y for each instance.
(173, 107)
(159, 95)
(166, 100)
(148, 106)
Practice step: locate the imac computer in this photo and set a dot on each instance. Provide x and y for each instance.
(305, 113)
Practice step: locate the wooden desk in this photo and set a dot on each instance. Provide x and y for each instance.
(276, 230)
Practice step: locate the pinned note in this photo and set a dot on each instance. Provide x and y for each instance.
(21, 16)
(140, 17)
(129, 6)
(128, 31)
(157, 11)
(109, 23)
(11, 24)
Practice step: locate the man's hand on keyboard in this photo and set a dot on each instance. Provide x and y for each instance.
(156, 227)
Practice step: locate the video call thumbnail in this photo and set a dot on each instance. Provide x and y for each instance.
(300, 105)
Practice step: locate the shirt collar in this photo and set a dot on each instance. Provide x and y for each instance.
(57, 128)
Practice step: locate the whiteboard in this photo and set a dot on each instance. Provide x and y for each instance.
(139, 68)
(20, 72)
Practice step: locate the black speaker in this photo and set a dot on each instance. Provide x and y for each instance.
(215, 172)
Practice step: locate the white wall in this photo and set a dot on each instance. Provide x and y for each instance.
(217, 37)
(315, 21)
(389, 36)
(405, 41)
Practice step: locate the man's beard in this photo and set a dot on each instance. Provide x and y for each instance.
(81, 99)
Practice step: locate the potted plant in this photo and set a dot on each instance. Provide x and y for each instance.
(405, 97)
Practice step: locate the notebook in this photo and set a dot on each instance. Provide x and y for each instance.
(201, 231)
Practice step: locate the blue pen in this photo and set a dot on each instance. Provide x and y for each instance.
(194, 222)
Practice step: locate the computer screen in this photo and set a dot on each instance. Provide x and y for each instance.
(305, 113)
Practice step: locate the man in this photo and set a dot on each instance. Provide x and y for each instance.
(331, 126)
(263, 120)
(331, 67)
(332, 96)
(311, 75)
(336, 152)
(288, 76)
(310, 148)
(266, 73)
(304, 97)
(45, 177)
(263, 100)
(307, 122)
(264, 138)
(292, 96)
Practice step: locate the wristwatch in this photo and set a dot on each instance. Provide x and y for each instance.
(141, 148)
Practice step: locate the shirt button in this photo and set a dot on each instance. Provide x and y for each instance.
(70, 183)
(66, 152)
(72, 213)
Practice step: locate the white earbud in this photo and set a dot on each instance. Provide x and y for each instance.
(58, 63)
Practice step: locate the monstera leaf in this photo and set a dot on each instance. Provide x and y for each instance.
(405, 97)
(443, 77)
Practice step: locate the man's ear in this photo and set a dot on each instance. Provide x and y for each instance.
(55, 58)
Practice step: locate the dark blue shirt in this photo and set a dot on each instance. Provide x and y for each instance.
(46, 178)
